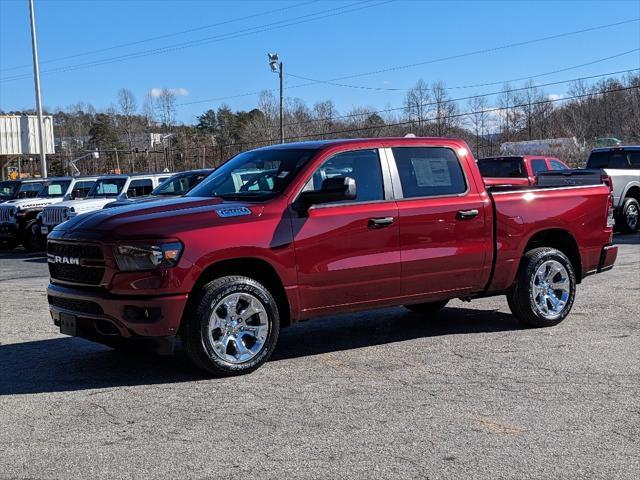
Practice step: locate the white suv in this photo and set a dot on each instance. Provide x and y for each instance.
(106, 189)
(18, 217)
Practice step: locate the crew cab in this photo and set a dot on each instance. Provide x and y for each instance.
(106, 189)
(18, 221)
(26, 188)
(622, 165)
(517, 170)
(174, 186)
(328, 227)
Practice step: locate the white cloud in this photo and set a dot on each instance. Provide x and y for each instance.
(555, 96)
(178, 92)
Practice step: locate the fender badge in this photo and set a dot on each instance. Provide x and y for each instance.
(233, 212)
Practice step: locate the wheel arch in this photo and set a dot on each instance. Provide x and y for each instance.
(255, 268)
(560, 239)
(632, 192)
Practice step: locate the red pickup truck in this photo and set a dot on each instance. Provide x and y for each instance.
(517, 170)
(289, 232)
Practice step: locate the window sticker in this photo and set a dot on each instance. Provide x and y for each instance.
(431, 173)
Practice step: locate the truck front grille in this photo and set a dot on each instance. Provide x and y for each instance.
(4, 213)
(78, 263)
(53, 215)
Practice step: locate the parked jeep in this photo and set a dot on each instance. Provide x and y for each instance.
(622, 165)
(18, 222)
(12, 189)
(105, 190)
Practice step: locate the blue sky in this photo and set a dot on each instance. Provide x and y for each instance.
(229, 41)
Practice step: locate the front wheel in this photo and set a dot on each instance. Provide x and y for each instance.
(545, 288)
(233, 326)
(31, 239)
(629, 216)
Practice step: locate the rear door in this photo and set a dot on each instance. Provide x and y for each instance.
(445, 222)
(349, 252)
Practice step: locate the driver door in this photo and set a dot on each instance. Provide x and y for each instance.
(348, 253)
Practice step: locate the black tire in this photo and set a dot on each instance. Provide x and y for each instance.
(522, 298)
(195, 330)
(430, 307)
(31, 237)
(628, 220)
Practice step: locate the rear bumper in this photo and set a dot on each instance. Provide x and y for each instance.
(607, 257)
(104, 315)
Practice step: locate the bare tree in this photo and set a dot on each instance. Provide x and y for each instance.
(127, 107)
(478, 116)
(445, 109)
(417, 105)
(165, 103)
(323, 115)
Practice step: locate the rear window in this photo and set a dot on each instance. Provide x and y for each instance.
(623, 159)
(502, 167)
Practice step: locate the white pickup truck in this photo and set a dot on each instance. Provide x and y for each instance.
(18, 216)
(105, 190)
(622, 164)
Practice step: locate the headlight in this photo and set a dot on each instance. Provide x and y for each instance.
(39, 217)
(13, 212)
(133, 258)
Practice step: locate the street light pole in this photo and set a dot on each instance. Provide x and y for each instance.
(281, 70)
(36, 78)
(277, 66)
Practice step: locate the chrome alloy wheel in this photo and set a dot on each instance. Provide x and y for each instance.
(550, 289)
(632, 216)
(238, 328)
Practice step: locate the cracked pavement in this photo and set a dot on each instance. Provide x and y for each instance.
(382, 394)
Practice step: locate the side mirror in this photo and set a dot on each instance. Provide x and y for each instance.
(335, 189)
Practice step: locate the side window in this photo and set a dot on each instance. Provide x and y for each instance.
(81, 189)
(429, 171)
(361, 165)
(538, 165)
(618, 160)
(138, 188)
(556, 165)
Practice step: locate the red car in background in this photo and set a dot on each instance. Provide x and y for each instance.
(517, 170)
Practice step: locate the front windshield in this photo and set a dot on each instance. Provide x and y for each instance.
(107, 187)
(8, 189)
(179, 185)
(254, 175)
(54, 189)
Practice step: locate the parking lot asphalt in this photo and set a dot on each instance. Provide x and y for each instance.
(469, 393)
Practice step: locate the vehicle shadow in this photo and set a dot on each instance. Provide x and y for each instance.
(70, 364)
(23, 255)
(622, 239)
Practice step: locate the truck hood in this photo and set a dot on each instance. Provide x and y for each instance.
(86, 204)
(26, 203)
(160, 218)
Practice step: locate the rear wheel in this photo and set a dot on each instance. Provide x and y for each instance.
(629, 216)
(545, 288)
(233, 328)
(430, 307)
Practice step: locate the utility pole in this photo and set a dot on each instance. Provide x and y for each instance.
(277, 66)
(36, 78)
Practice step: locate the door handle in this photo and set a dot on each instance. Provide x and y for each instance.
(380, 222)
(467, 214)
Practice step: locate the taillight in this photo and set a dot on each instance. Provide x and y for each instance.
(610, 220)
(606, 179)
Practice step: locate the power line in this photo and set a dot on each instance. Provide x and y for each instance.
(357, 6)
(441, 59)
(167, 35)
(364, 87)
(452, 100)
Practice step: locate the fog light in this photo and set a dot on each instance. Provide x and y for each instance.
(142, 314)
